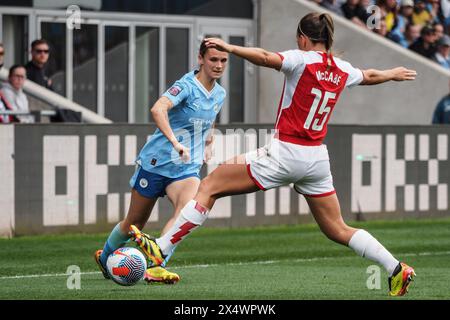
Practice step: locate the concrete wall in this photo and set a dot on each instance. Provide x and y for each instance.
(74, 178)
(390, 103)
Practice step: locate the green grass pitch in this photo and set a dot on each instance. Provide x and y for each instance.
(278, 262)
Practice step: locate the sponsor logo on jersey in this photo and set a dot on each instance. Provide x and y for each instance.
(175, 90)
(143, 183)
(200, 121)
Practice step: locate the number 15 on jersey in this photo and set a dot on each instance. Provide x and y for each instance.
(312, 121)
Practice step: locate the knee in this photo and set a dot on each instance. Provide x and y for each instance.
(206, 187)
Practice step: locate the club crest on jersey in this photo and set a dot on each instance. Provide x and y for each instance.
(328, 76)
(175, 90)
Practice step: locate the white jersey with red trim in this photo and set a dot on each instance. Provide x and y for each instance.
(310, 92)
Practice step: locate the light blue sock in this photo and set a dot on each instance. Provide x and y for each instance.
(115, 240)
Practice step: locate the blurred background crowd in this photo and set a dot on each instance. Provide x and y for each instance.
(422, 26)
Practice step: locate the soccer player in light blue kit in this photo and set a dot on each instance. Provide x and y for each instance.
(170, 162)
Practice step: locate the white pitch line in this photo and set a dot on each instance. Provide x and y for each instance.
(439, 253)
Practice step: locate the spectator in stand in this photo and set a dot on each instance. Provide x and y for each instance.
(333, 6)
(401, 20)
(438, 30)
(390, 9)
(445, 10)
(382, 31)
(441, 114)
(12, 91)
(434, 7)
(406, 12)
(353, 11)
(421, 16)
(36, 67)
(425, 44)
(412, 33)
(442, 56)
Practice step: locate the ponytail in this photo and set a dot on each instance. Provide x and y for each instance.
(327, 33)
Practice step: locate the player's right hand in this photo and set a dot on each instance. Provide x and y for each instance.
(218, 44)
(183, 152)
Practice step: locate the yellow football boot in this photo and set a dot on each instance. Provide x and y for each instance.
(160, 275)
(401, 279)
(97, 255)
(148, 245)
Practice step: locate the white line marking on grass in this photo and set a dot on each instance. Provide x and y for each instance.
(419, 254)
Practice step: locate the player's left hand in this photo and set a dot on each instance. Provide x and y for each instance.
(403, 74)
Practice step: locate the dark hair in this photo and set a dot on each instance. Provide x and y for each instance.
(203, 47)
(318, 27)
(14, 67)
(38, 42)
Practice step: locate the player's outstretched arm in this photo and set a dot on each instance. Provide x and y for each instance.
(373, 76)
(256, 56)
(160, 114)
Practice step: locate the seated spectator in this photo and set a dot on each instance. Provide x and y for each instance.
(390, 9)
(421, 16)
(445, 10)
(333, 6)
(441, 114)
(382, 30)
(425, 44)
(402, 20)
(412, 33)
(433, 7)
(442, 56)
(36, 67)
(353, 11)
(12, 91)
(438, 30)
(406, 12)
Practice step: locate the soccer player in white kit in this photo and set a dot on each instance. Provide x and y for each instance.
(314, 80)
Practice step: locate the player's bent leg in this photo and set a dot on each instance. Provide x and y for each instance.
(230, 178)
(179, 193)
(138, 213)
(327, 213)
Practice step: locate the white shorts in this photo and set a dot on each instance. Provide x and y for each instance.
(280, 163)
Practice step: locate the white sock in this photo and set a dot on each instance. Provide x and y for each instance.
(368, 247)
(191, 217)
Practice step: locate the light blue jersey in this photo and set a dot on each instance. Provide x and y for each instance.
(195, 110)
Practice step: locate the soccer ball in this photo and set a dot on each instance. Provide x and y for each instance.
(126, 266)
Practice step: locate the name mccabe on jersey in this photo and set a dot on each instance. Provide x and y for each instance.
(330, 77)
